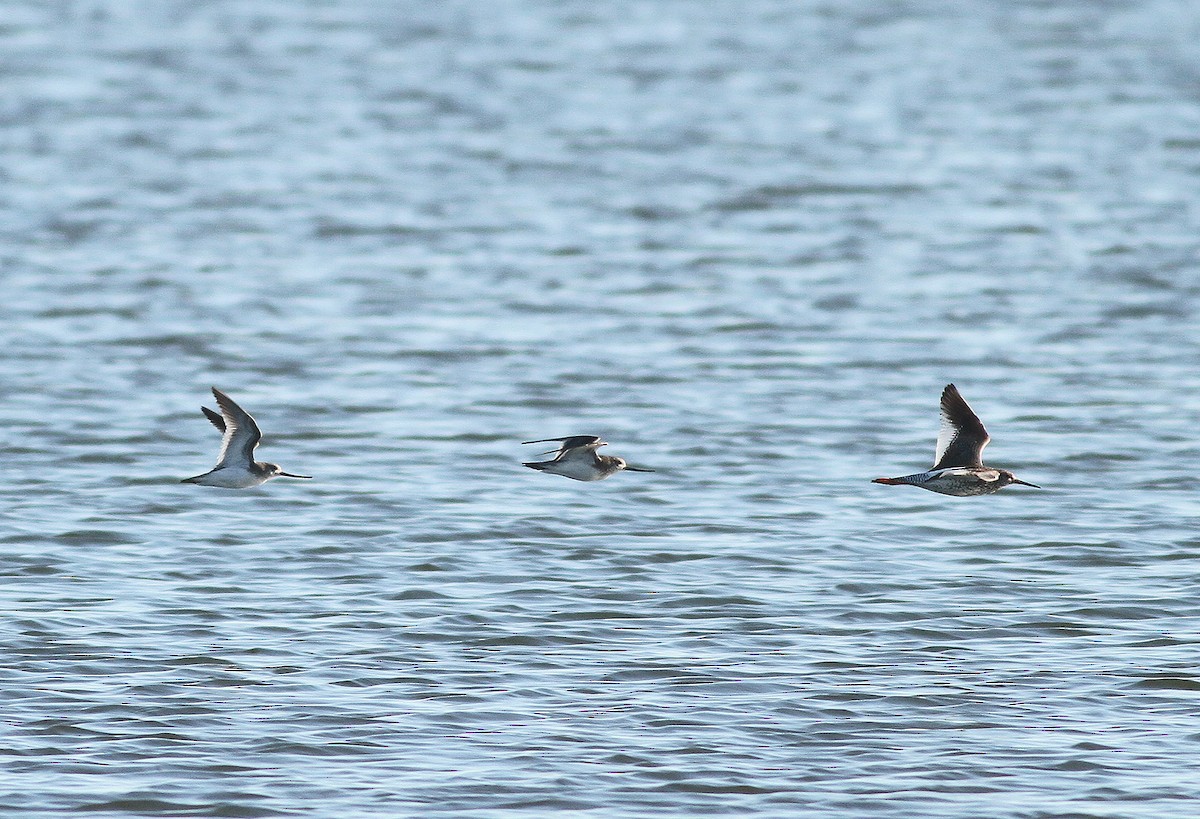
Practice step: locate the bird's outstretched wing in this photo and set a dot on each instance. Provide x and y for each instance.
(962, 437)
(569, 443)
(241, 433)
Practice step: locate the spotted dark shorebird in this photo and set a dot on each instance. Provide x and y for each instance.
(236, 467)
(958, 463)
(578, 460)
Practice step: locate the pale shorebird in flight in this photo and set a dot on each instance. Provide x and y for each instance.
(577, 459)
(236, 467)
(958, 464)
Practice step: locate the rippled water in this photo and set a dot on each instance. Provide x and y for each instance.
(748, 244)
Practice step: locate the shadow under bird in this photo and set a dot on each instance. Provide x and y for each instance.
(236, 467)
(958, 463)
(578, 460)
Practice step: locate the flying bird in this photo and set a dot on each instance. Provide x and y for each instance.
(236, 467)
(958, 464)
(576, 458)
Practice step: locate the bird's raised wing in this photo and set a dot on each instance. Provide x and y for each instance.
(241, 433)
(962, 437)
(569, 443)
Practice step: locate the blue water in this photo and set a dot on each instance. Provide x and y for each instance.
(746, 243)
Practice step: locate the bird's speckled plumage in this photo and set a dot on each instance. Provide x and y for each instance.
(958, 459)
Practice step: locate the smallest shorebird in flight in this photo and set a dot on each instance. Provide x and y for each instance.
(578, 460)
(236, 467)
(958, 463)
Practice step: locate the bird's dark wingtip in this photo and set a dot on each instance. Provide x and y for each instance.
(214, 418)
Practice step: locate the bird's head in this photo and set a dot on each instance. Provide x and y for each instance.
(276, 471)
(1007, 477)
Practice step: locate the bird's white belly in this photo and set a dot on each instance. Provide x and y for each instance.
(578, 471)
(963, 482)
(230, 478)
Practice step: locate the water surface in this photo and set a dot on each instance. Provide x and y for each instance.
(746, 243)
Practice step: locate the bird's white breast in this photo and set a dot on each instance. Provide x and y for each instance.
(230, 478)
(577, 469)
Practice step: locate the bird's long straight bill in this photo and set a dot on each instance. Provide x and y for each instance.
(290, 475)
